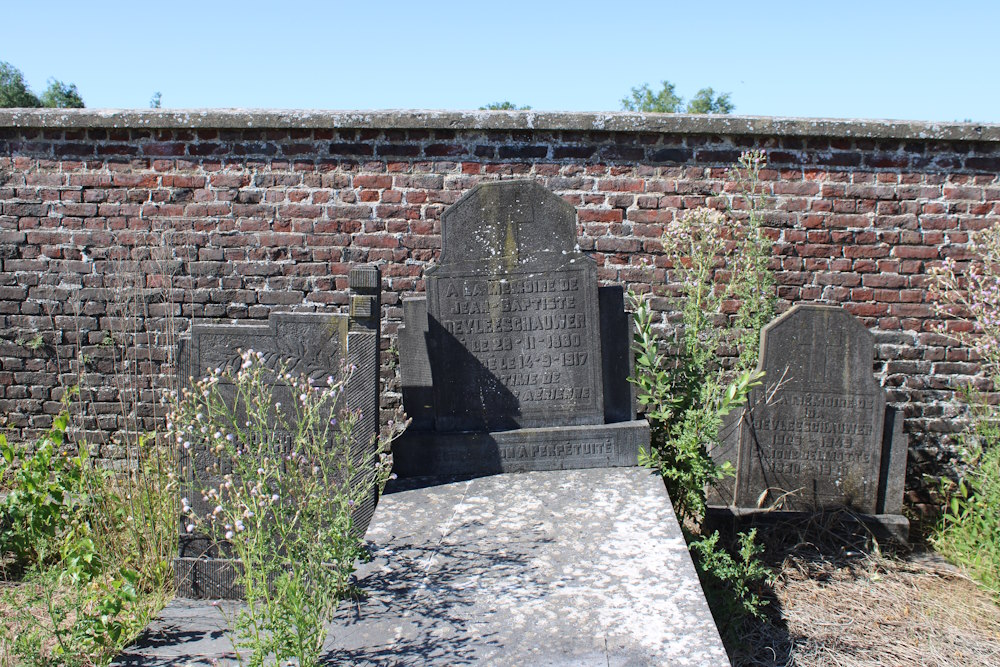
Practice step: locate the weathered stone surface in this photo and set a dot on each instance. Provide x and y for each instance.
(516, 360)
(415, 365)
(699, 124)
(584, 567)
(315, 345)
(521, 450)
(513, 314)
(816, 435)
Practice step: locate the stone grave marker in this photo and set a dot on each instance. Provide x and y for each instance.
(311, 344)
(506, 363)
(817, 433)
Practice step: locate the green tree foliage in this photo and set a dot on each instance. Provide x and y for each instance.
(14, 92)
(156, 100)
(60, 95)
(667, 100)
(706, 101)
(504, 106)
(643, 99)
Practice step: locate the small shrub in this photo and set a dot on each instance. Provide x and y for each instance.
(686, 395)
(732, 583)
(48, 492)
(284, 510)
(684, 416)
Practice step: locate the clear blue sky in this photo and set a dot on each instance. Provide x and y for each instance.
(917, 60)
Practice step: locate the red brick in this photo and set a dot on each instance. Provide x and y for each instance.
(599, 215)
(621, 185)
(916, 252)
(376, 240)
(376, 181)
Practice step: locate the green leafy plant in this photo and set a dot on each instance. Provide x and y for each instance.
(968, 533)
(48, 492)
(89, 547)
(732, 582)
(687, 394)
(34, 343)
(64, 524)
(284, 505)
(685, 413)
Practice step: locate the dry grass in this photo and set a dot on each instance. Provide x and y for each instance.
(842, 602)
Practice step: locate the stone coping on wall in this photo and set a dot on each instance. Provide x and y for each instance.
(721, 125)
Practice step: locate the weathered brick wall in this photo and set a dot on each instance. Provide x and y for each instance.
(230, 215)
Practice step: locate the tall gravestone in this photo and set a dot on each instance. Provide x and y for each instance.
(516, 360)
(817, 434)
(311, 344)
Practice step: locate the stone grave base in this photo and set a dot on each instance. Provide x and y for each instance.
(207, 578)
(885, 527)
(579, 567)
(522, 450)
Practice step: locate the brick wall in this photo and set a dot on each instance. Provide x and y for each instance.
(230, 215)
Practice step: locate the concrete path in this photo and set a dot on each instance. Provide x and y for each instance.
(581, 567)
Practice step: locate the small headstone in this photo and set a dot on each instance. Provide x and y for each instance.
(817, 434)
(515, 335)
(311, 344)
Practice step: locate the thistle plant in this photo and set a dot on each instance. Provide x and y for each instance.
(716, 260)
(720, 263)
(279, 497)
(968, 295)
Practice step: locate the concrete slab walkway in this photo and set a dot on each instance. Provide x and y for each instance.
(581, 567)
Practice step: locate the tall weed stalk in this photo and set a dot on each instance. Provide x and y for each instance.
(968, 296)
(726, 297)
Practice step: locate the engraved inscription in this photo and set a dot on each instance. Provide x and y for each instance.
(599, 449)
(815, 434)
(529, 331)
(513, 330)
(582, 451)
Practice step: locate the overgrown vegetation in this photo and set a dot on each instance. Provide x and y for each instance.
(687, 391)
(285, 506)
(81, 541)
(85, 547)
(969, 294)
(969, 532)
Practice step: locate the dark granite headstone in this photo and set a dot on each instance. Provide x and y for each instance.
(312, 344)
(513, 314)
(514, 344)
(816, 434)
